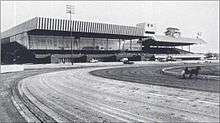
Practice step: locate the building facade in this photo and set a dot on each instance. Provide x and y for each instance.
(56, 40)
(58, 34)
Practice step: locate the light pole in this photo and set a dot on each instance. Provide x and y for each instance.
(70, 10)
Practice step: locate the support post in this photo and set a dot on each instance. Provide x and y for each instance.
(70, 10)
(189, 48)
(71, 59)
(71, 33)
(130, 44)
(93, 43)
(119, 46)
(123, 48)
(79, 43)
(75, 43)
(107, 44)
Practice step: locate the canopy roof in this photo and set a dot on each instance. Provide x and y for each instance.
(178, 40)
(63, 25)
(160, 40)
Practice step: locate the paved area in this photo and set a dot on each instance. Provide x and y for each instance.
(76, 95)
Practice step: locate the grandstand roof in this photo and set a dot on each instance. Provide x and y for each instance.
(160, 40)
(178, 40)
(63, 25)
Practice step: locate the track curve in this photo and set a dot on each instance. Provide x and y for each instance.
(76, 95)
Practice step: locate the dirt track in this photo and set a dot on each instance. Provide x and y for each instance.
(75, 95)
(8, 112)
(8, 83)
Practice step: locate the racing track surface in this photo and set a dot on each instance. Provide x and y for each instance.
(76, 95)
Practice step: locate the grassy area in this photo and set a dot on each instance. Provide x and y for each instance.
(210, 69)
(151, 75)
(213, 70)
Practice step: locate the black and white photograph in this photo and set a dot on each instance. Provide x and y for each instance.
(109, 61)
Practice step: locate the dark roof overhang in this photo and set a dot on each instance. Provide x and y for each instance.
(151, 42)
(82, 34)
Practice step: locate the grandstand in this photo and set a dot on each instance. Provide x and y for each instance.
(49, 40)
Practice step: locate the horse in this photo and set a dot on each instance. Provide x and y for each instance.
(191, 72)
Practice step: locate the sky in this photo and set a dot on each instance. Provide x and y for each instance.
(189, 16)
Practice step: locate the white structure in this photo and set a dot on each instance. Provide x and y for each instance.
(11, 68)
(149, 28)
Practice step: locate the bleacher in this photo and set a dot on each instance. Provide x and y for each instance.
(161, 51)
(183, 51)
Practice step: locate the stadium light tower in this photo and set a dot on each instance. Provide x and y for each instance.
(70, 10)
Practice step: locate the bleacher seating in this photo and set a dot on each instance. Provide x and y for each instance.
(183, 51)
(161, 51)
(165, 51)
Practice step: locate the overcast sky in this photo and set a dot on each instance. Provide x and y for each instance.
(190, 17)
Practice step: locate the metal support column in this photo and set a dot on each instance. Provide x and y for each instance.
(79, 43)
(93, 42)
(107, 44)
(130, 44)
(123, 47)
(119, 46)
(140, 42)
(75, 43)
(189, 48)
(71, 59)
(70, 10)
